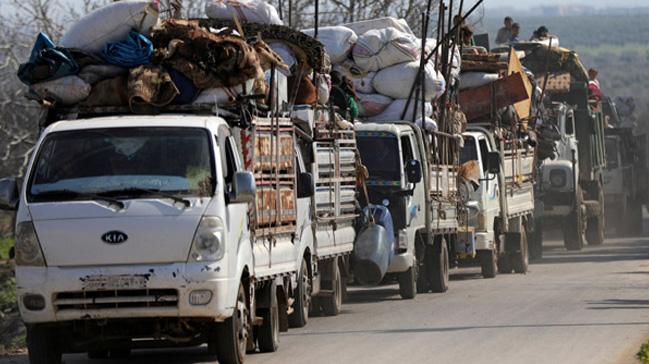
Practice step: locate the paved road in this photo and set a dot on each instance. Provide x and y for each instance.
(587, 307)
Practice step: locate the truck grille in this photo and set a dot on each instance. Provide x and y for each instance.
(116, 299)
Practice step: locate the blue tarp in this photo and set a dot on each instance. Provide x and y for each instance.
(135, 50)
(47, 62)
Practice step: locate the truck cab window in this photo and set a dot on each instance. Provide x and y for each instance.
(406, 149)
(469, 152)
(570, 124)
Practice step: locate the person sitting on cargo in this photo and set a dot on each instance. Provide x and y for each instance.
(516, 31)
(594, 89)
(541, 34)
(466, 36)
(505, 33)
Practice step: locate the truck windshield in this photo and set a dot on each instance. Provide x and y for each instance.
(380, 154)
(611, 153)
(122, 162)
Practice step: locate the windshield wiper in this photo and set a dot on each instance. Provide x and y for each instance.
(150, 192)
(79, 194)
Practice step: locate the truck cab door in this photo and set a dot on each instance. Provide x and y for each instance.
(236, 221)
(414, 203)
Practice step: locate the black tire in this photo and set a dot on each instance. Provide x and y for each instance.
(302, 303)
(268, 333)
(504, 264)
(488, 263)
(595, 231)
(536, 241)
(231, 341)
(332, 305)
(596, 226)
(573, 232)
(423, 261)
(408, 283)
(439, 270)
(520, 259)
(42, 345)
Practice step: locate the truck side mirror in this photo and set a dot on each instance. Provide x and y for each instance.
(244, 188)
(413, 171)
(8, 194)
(305, 186)
(493, 162)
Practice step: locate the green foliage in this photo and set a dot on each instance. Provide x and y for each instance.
(643, 354)
(5, 245)
(7, 289)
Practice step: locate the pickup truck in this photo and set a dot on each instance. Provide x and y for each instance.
(418, 192)
(174, 230)
(502, 206)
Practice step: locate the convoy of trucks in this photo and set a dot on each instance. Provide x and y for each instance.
(203, 224)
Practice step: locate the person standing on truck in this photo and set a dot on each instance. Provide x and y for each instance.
(594, 89)
(505, 33)
(541, 34)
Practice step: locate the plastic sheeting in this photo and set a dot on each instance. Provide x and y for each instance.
(134, 51)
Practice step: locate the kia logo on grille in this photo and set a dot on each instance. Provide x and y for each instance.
(114, 237)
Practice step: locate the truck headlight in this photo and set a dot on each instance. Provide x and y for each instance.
(28, 249)
(208, 243)
(558, 178)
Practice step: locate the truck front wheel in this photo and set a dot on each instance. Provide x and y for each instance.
(439, 270)
(520, 259)
(332, 304)
(302, 303)
(408, 283)
(573, 232)
(488, 263)
(268, 333)
(42, 345)
(231, 339)
(595, 231)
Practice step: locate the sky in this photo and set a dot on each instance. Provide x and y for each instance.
(523, 4)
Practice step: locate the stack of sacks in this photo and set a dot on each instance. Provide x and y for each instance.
(480, 70)
(382, 64)
(122, 55)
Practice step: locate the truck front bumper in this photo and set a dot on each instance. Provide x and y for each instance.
(144, 291)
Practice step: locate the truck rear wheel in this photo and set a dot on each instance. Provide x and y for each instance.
(231, 339)
(536, 241)
(520, 259)
(332, 304)
(42, 345)
(488, 263)
(408, 283)
(268, 333)
(439, 270)
(595, 231)
(302, 303)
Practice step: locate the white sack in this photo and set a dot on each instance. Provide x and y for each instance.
(372, 104)
(67, 90)
(476, 79)
(394, 110)
(378, 49)
(364, 26)
(364, 84)
(287, 55)
(111, 23)
(218, 96)
(428, 124)
(396, 81)
(338, 41)
(250, 11)
(324, 89)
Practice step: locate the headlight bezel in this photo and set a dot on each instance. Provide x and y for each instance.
(208, 243)
(29, 252)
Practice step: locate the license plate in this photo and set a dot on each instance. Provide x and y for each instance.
(104, 283)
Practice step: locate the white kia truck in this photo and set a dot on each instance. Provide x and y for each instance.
(159, 231)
